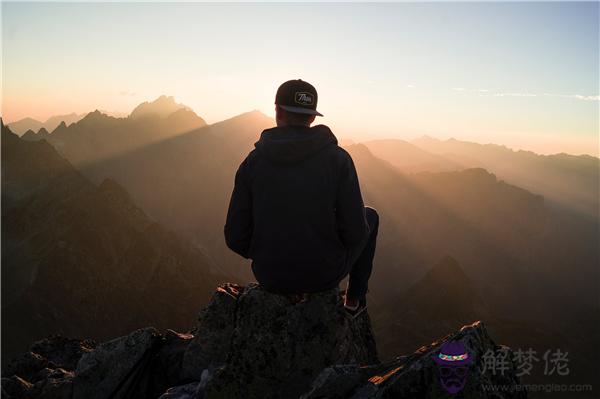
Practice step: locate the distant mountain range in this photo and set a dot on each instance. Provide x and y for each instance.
(98, 136)
(21, 126)
(566, 180)
(520, 225)
(410, 158)
(81, 259)
(180, 171)
(506, 238)
(185, 181)
(31, 126)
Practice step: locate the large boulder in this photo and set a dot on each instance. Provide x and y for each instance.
(280, 343)
(212, 335)
(103, 373)
(419, 376)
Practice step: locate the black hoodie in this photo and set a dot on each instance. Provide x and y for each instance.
(296, 209)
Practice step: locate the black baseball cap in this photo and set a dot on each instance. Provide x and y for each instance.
(298, 96)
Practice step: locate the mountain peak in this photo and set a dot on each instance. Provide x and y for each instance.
(94, 117)
(250, 116)
(448, 271)
(61, 126)
(94, 114)
(445, 285)
(162, 107)
(184, 120)
(165, 98)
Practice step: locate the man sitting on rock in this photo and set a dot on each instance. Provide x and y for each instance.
(296, 209)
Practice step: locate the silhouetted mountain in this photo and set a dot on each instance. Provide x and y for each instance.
(442, 300)
(98, 136)
(569, 180)
(60, 129)
(411, 159)
(162, 107)
(30, 135)
(522, 257)
(185, 181)
(508, 241)
(494, 228)
(83, 260)
(23, 125)
(52, 122)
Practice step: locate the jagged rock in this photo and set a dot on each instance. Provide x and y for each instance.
(249, 343)
(213, 333)
(63, 352)
(58, 384)
(103, 373)
(50, 384)
(170, 357)
(25, 365)
(280, 343)
(188, 391)
(417, 375)
(16, 387)
(193, 390)
(45, 371)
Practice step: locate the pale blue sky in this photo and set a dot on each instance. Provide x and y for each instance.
(521, 74)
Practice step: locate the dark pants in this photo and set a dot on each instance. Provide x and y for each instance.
(360, 259)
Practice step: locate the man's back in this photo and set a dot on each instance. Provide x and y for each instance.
(296, 209)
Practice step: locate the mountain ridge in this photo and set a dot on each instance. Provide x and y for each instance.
(570, 181)
(73, 252)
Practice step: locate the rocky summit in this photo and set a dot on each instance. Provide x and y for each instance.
(249, 343)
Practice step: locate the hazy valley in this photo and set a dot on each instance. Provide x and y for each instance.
(102, 213)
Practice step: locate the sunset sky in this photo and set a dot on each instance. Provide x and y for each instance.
(520, 74)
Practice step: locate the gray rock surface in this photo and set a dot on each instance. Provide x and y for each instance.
(417, 376)
(280, 343)
(46, 371)
(212, 335)
(248, 343)
(99, 373)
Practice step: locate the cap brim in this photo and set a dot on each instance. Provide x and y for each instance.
(300, 110)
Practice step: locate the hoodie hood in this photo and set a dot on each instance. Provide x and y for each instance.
(291, 144)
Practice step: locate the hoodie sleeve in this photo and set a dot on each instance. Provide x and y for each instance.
(350, 209)
(238, 226)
